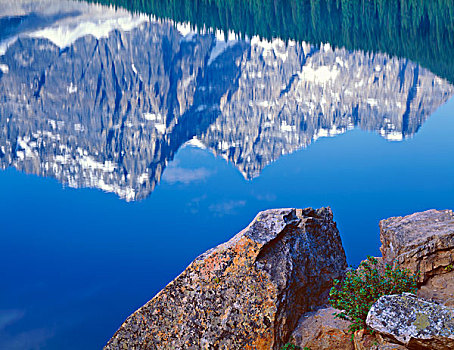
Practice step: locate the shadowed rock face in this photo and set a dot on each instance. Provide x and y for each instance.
(414, 322)
(109, 110)
(247, 293)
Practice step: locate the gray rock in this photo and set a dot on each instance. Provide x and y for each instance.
(414, 322)
(247, 293)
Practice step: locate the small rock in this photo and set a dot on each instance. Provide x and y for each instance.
(366, 341)
(320, 330)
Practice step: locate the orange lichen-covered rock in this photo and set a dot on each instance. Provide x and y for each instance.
(247, 293)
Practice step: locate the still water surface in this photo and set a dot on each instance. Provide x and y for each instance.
(131, 144)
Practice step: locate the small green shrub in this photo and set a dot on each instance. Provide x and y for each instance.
(361, 288)
(449, 268)
(290, 346)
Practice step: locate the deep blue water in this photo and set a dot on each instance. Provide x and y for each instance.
(75, 262)
(79, 261)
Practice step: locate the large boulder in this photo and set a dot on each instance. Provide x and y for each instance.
(413, 322)
(247, 293)
(421, 242)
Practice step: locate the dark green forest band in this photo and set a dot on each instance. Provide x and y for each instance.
(420, 30)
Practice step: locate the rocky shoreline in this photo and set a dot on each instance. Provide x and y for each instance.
(269, 285)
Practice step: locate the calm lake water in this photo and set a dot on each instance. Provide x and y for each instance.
(133, 140)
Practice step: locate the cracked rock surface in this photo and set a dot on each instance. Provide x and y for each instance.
(423, 242)
(247, 293)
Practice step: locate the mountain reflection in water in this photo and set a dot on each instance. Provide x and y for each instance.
(97, 97)
(104, 99)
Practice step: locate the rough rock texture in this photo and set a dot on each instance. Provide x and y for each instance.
(247, 293)
(420, 242)
(414, 322)
(320, 330)
(439, 288)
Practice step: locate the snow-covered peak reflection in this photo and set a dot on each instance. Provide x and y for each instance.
(61, 22)
(112, 108)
